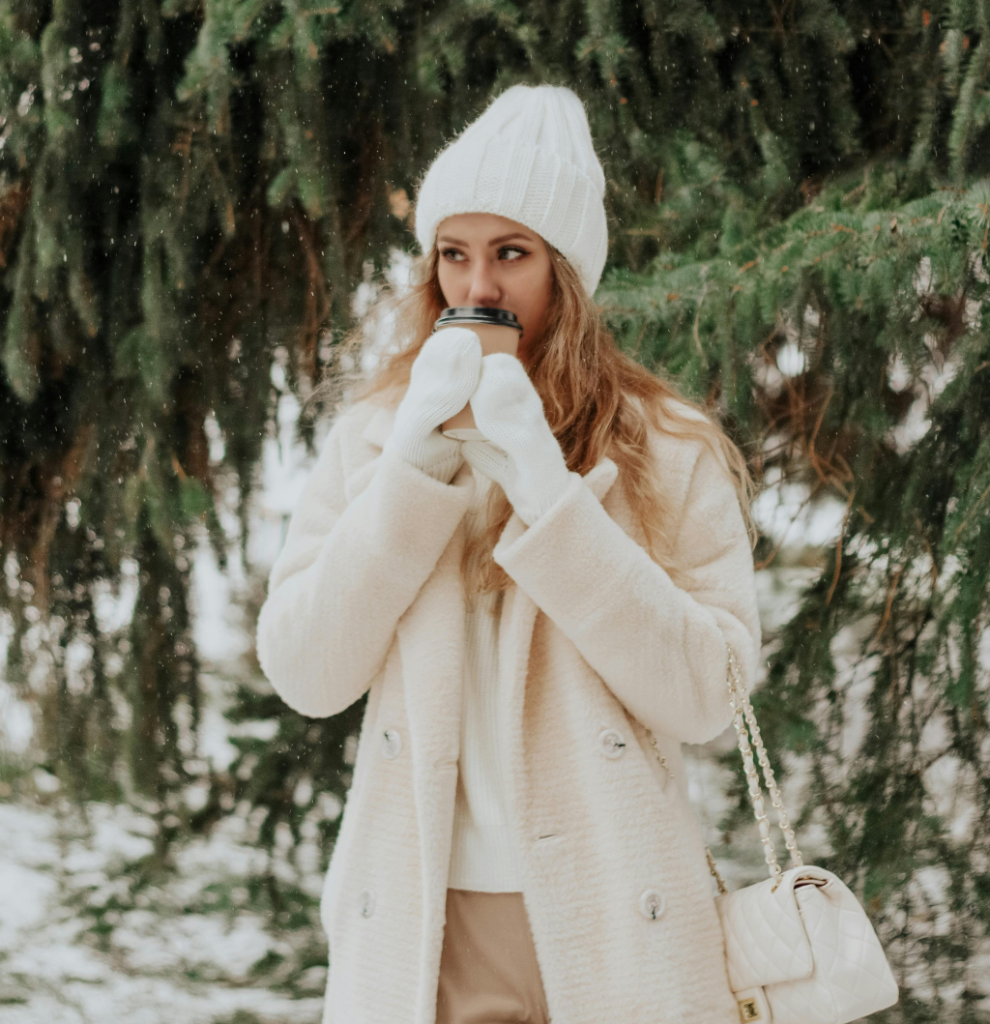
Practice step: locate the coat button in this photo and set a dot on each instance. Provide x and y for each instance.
(366, 902)
(612, 743)
(651, 904)
(391, 744)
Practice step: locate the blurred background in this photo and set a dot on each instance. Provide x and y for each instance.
(198, 200)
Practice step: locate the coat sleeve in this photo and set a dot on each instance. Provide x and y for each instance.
(347, 573)
(659, 647)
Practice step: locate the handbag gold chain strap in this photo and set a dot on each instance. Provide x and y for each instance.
(743, 716)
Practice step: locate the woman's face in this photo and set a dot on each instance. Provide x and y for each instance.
(487, 260)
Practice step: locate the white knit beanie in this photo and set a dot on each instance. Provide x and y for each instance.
(528, 157)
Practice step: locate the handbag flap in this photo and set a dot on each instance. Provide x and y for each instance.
(765, 937)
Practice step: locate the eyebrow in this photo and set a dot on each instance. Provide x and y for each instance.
(493, 241)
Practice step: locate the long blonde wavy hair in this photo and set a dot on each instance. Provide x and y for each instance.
(598, 401)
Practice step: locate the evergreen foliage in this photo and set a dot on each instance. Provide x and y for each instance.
(878, 315)
(190, 187)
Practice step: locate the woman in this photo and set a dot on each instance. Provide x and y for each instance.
(524, 612)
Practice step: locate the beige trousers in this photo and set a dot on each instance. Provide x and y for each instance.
(488, 968)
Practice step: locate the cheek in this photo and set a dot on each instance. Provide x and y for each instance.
(444, 280)
(455, 283)
(538, 298)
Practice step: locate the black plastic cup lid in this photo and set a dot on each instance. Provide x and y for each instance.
(478, 315)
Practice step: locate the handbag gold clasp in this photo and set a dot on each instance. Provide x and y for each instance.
(749, 1010)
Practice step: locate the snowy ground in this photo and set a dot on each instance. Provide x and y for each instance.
(78, 944)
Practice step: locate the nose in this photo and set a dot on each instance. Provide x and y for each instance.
(485, 289)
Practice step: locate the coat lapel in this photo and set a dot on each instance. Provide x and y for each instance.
(516, 634)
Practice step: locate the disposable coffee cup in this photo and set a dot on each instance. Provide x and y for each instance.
(499, 331)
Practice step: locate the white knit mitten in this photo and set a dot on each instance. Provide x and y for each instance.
(520, 454)
(442, 378)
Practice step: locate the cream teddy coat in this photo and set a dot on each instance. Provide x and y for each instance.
(597, 645)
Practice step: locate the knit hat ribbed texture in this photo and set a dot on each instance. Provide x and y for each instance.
(528, 157)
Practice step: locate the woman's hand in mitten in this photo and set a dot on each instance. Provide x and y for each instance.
(442, 378)
(520, 453)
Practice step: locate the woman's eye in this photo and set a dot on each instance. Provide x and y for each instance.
(509, 253)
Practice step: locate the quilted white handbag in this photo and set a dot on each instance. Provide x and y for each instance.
(799, 947)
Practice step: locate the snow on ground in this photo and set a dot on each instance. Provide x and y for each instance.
(80, 943)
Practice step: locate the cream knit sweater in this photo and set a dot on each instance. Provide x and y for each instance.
(483, 855)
